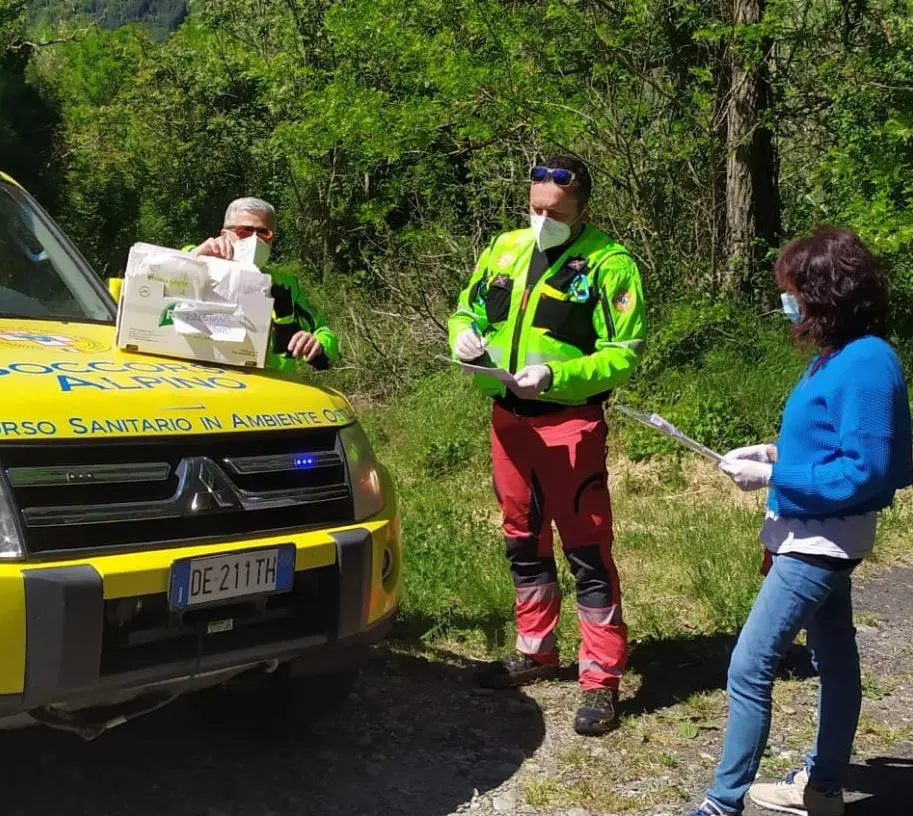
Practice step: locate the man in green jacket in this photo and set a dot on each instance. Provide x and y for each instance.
(299, 330)
(560, 306)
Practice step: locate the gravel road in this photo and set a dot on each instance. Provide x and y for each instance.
(416, 738)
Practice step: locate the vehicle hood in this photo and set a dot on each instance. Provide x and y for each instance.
(67, 380)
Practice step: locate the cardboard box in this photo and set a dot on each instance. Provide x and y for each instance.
(178, 305)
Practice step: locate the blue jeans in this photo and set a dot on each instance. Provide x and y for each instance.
(795, 595)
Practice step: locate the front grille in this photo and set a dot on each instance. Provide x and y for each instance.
(166, 492)
(140, 633)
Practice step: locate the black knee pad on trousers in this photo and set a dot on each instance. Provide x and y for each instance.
(527, 567)
(592, 576)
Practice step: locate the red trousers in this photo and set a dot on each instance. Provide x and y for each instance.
(553, 468)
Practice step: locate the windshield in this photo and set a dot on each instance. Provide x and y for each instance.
(42, 276)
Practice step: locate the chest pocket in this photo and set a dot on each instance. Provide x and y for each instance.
(497, 298)
(566, 305)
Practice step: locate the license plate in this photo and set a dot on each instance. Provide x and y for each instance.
(196, 581)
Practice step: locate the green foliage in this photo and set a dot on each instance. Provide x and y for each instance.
(457, 581)
(394, 137)
(846, 115)
(720, 374)
(28, 123)
(12, 21)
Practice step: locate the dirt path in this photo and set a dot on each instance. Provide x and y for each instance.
(416, 738)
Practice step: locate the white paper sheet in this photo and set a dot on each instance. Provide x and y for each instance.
(222, 328)
(498, 373)
(211, 320)
(657, 423)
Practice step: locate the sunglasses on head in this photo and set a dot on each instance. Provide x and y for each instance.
(557, 175)
(242, 231)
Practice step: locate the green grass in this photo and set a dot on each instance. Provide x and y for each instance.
(686, 540)
(686, 548)
(720, 375)
(686, 544)
(541, 792)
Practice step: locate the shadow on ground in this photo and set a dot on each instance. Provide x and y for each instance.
(404, 743)
(674, 669)
(880, 787)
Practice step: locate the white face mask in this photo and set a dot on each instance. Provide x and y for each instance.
(549, 232)
(251, 251)
(791, 307)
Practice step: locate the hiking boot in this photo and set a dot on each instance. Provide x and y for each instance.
(794, 795)
(707, 808)
(598, 712)
(513, 672)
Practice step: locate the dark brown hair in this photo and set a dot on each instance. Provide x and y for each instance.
(842, 291)
(583, 181)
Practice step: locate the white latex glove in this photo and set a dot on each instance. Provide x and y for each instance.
(747, 473)
(532, 381)
(754, 453)
(219, 247)
(469, 346)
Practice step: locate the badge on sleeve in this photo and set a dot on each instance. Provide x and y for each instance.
(623, 300)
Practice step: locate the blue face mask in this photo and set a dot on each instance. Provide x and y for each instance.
(791, 307)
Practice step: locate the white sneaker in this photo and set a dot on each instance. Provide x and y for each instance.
(793, 795)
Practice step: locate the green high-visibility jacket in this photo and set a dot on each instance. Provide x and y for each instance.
(293, 312)
(584, 317)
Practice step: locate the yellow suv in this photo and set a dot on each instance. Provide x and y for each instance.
(167, 526)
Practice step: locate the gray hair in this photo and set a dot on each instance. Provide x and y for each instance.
(251, 205)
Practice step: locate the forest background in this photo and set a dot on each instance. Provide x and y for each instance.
(395, 138)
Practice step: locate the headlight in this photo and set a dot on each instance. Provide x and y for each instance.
(10, 541)
(367, 493)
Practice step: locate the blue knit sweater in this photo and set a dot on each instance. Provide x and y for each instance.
(845, 442)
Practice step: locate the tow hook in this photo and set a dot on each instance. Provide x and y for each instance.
(250, 677)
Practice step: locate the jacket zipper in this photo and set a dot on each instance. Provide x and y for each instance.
(515, 344)
(524, 302)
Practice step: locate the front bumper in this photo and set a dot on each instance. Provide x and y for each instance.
(63, 649)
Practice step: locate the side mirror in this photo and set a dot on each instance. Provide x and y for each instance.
(114, 287)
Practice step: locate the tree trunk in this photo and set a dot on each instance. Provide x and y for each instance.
(752, 194)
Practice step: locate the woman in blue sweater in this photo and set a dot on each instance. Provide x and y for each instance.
(844, 449)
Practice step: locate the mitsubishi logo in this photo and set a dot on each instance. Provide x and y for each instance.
(209, 487)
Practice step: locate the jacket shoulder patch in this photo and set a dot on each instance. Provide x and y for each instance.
(623, 300)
